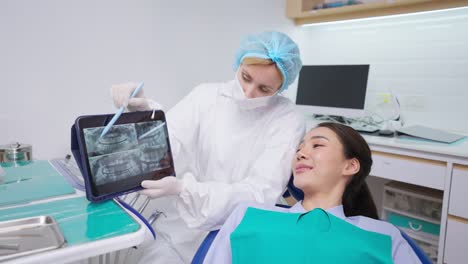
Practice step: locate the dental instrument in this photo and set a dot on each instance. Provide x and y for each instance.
(151, 131)
(121, 110)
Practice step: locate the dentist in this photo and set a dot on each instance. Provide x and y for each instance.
(232, 142)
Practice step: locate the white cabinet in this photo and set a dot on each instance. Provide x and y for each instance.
(458, 204)
(429, 165)
(456, 244)
(419, 171)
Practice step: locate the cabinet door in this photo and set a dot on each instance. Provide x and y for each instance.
(456, 245)
(418, 171)
(458, 204)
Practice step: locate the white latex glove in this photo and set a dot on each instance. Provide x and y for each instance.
(166, 186)
(121, 93)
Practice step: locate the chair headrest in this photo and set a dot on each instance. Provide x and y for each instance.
(294, 191)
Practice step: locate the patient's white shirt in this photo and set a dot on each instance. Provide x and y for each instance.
(220, 250)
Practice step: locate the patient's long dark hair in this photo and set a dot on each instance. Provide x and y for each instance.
(357, 199)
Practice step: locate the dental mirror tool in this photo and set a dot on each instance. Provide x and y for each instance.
(121, 110)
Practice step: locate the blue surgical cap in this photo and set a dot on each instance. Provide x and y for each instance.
(275, 46)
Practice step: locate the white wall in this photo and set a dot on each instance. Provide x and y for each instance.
(423, 59)
(58, 59)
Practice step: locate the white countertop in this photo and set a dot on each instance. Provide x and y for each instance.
(457, 149)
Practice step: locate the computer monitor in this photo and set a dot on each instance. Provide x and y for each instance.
(338, 90)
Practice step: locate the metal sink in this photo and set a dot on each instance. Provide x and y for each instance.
(21, 237)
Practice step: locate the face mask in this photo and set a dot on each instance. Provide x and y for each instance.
(249, 103)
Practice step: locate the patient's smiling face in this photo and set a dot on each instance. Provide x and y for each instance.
(319, 164)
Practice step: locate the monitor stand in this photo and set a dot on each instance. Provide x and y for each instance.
(330, 118)
(358, 126)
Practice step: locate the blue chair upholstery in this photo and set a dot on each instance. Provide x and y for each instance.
(298, 195)
(419, 252)
(203, 249)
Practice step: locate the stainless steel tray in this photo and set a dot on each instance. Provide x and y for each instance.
(26, 236)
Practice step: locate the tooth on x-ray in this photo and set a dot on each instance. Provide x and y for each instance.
(115, 167)
(151, 158)
(158, 135)
(119, 138)
(153, 145)
(152, 131)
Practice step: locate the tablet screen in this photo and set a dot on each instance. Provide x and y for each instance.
(126, 155)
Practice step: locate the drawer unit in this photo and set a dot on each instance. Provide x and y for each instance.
(458, 203)
(414, 201)
(413, 224)
(429, 173)
(456, 244)
(417, 211)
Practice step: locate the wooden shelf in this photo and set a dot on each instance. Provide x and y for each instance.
(302, 12)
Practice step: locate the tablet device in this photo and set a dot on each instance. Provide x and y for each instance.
(136, 148)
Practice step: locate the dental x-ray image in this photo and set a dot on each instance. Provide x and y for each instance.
(134, 149)
(127, 150)
(119, 138)
(115, 167)
(152, 141)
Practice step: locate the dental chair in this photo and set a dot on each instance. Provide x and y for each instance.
(298, 195)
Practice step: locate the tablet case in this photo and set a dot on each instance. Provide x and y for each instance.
(75, 149)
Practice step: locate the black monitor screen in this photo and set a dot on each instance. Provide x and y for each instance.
(341, 86)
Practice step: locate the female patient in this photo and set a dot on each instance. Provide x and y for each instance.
(335, 223)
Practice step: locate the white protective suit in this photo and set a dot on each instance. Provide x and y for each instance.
(226, 150)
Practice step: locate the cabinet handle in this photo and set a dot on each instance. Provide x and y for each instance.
(418, 228)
